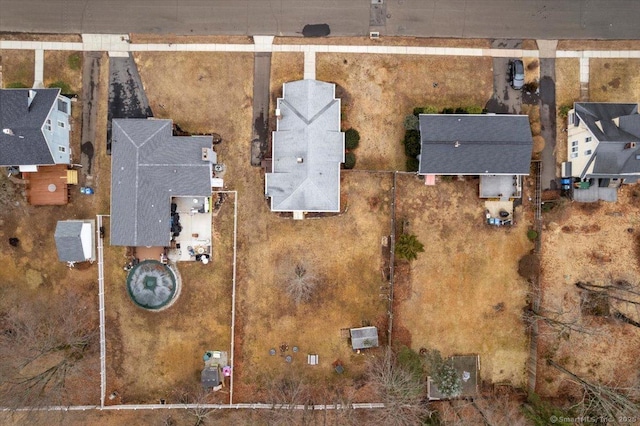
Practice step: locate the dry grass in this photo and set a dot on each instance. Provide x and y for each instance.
(378, 91)
(532, 69)
(599, 45)
(567, 92)
(388, 41)
(17, 67)
(152, 353)
(345, 251)
(614, 80)
(73, 38)
(464, 294)
(56, 68)
(202, 92)
(573, 234)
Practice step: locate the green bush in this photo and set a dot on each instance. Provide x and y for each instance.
(64, 87)
(564, 110)
(74, 61)
(408, 246)
(411, 122)
(17, 85)
(425, 110)
(448, 110)
(349, 160)
(532, 234)
(474, 109)
(412, 143)
(461, 110)
(412, 164)
(351, 138)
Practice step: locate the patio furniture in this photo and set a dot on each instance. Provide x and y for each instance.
(312, 359)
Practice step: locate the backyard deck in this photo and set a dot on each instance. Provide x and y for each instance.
(48, 186)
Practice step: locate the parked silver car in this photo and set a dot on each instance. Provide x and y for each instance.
(516, 74)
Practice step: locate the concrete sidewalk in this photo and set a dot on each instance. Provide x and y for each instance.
(118, 45)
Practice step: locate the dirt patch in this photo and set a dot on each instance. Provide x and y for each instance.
(599, 45)
(17, 67)
(614, 80)
(73, 38)
(463, 301)
(387, 41)
(589, 245)
(378, 113)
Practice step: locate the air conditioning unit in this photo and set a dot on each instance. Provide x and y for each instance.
(374, 35)
(377, 1)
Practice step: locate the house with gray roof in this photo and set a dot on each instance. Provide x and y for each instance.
(603, 143)
(149, 168)
(307, 150)
(364, 337)
(75, 240)
(495, 147)
(34, 127)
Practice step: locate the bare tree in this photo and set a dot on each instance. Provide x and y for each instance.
(622, 297)
(561, 321)
(399, 388)
(613, 403)
(44, 348)
(301, 282)
(284, 393)
(195, 395)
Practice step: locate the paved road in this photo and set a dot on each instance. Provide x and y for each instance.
(551, 19)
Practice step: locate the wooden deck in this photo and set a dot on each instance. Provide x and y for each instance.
(48, 186)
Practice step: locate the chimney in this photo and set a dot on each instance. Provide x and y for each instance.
(8, 132)
(30, 98)
(457, 144)
(300, 159)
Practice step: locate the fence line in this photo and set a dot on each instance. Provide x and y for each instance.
(534, 285)
(253, 406)
(103, 343)
(392, 253)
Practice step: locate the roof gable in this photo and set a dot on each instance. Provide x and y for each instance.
(308, 148)
(149, 166)
(26, 144)
(69, 240)
(475, 144)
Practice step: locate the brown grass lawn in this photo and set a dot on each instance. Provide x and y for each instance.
(388, 41)
(614, 80)
(599, 45)
(17, 67)
(202, 92)
(567, 92)
(463, 295)
(590, 242)
(380, 90)
(345, 253)
(56, 68)
(153, 353)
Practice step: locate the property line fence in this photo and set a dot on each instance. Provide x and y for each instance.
(103, 343)
(534, 285)
(253, 406)
(538, 204)
(392, 252)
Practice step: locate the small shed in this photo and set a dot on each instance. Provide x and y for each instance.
(211, 376)
(75, 240)
(364, 337)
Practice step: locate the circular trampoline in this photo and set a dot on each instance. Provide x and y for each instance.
(152, 285)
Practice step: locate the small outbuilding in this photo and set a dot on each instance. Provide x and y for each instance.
(364, 338)
(75, 240)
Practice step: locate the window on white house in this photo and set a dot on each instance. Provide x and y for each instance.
(574, 143)
(571, 118)
(574, 155)
(62, 148)
(574, 149)
(61, 124)
(587, 152)
(587, 139)
(48, 127)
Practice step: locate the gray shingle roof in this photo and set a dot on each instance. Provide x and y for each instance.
(68, 241)
(467, 144)
(364, 337)
(25, 121)
(149, 166)
(610, 158)
(308, 148)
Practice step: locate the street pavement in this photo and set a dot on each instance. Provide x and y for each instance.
(552, 19)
